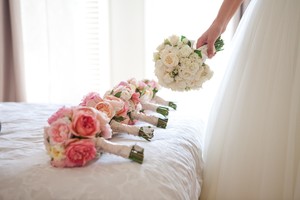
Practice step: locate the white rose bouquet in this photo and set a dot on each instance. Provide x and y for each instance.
(179, 66)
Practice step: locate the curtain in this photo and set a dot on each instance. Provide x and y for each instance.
(11, 52)
(66, 49)
(73, 47)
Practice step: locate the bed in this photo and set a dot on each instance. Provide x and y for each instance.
(172, 167)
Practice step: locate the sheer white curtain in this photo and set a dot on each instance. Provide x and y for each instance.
(76, 46)
(66, 49)
(73, 47)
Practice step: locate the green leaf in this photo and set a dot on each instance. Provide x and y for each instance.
(155, 90)
(118, 94)
(119, 118)
(219, 44)
(198, 52)
(167, 42)
(189, 42)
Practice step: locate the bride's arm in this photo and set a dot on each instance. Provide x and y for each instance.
(209, 37)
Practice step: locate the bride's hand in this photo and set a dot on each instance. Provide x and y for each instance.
(209, 38)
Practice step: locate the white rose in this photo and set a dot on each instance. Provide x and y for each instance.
(126, 95)
(170, 60)
(158, 64)
(156, 56)
(174, 40)
(181, 85)
(160, 47)
(185, 51)
(159, 72)
(175, 50)
(147, 96)
(185, 74)
(193, 68)
(207, 72)
(167, 78)
(185, 41)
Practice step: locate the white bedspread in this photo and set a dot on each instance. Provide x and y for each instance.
(171, 170)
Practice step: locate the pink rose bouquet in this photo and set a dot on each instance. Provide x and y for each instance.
(135, 112)
(155, 87)
(146, 94)
(116, 110)
(75, 136)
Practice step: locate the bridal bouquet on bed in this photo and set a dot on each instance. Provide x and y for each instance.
(135, 99)
(77, 135)
(117, 112)
(181, 67)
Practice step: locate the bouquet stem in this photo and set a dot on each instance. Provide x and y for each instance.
(160, 100)
(145, 132)
(134, 153)
(159, 122)
(159, 109)
(137, 154)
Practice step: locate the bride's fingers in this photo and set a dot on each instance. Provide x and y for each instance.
(200, 42)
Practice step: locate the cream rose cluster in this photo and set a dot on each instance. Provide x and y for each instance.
(180, 67)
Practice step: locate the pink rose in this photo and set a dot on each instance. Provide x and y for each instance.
(135, 98)
(117, 103)
(147, 95)
(86, 122)
(106, 131)
(123, 83)
(123, 112)
(124, 90)
(91, 99)
(142, 85)
(133, 81)
(78, 153)
(106, 108)
(62, 112)
(59, 131)
(153, 84)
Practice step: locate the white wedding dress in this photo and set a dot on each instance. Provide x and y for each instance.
(252, 144)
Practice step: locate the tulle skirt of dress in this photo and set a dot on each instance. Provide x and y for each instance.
(252, 144)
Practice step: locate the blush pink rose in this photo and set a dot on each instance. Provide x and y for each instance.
(60, 113)
(142, 85)
(153, 84)
(59, 131)
(133, 81)
(91, 99)
(106, 131)
(106, 108)
(125, 89)
(135, 98)
(123, 112)
(80, 152)
(85, 121)
(147, 96)
(117, 103)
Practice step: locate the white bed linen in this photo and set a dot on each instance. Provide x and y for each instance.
(171, 170)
